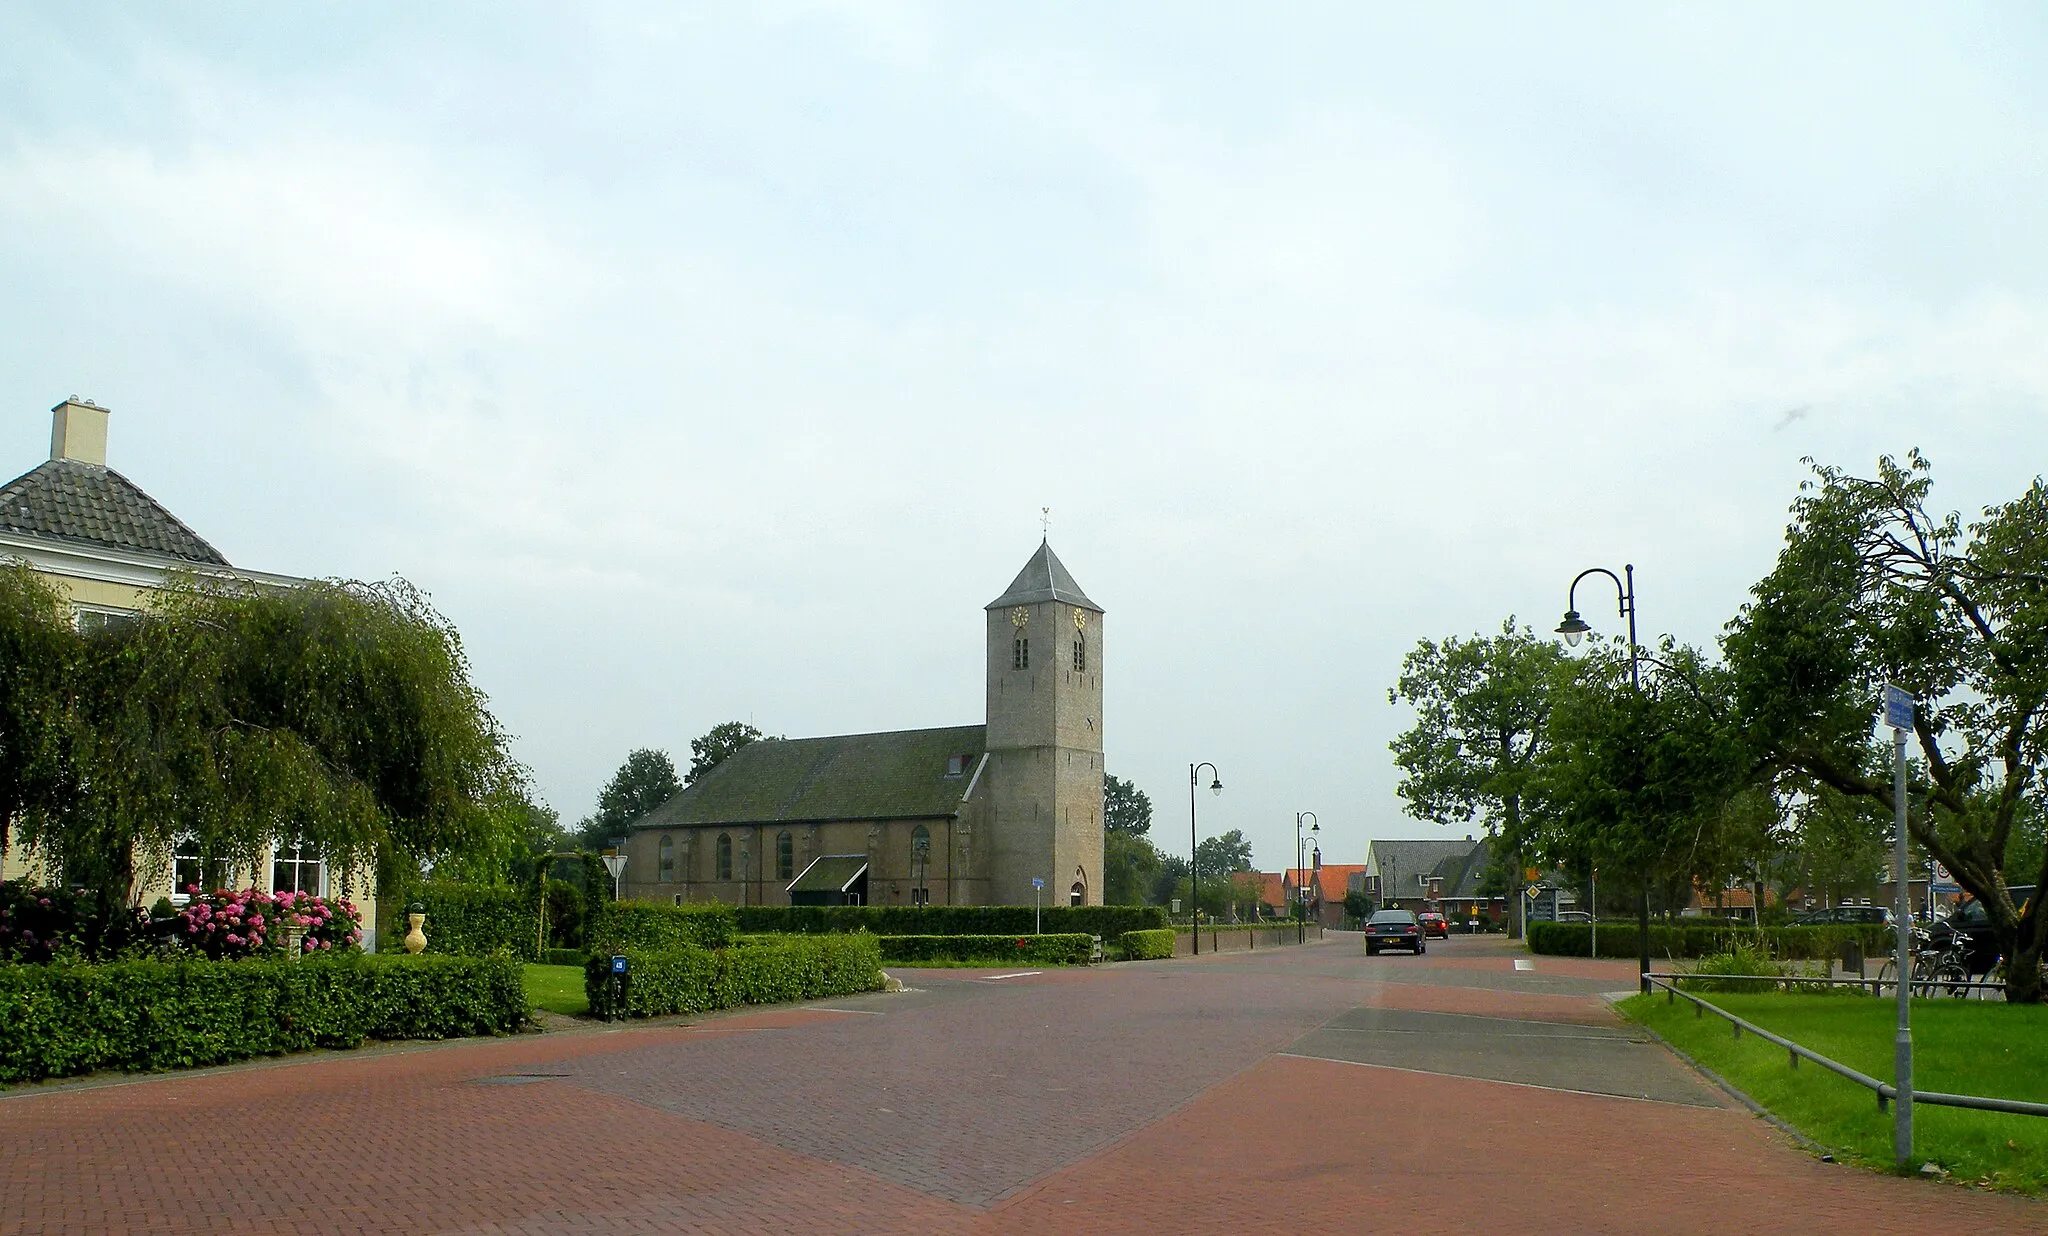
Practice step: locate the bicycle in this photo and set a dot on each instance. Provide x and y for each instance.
(1945, 972)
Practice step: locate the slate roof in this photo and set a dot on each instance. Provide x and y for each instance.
(1044, 578)
(893, 776)
(1461, 875)
(829, 873)
(1408, 859)
(65, 500)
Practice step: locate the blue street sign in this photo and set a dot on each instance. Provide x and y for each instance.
(1037, 883)
(618, 965)
(1898, 708)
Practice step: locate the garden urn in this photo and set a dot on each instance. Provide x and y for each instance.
(415, 939)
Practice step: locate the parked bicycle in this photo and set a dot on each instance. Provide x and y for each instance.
(1943, 971)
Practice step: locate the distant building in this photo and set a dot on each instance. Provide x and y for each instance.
(964, 815)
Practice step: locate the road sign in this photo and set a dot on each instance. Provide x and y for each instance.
(1037, 883)
(1898, 708)
(616, 864)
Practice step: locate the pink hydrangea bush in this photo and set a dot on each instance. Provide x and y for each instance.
(226, 925)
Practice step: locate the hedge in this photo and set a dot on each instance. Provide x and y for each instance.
(1149, 945)
(564, 957)
(622, 926)
(693, 980)
(1104, 921)
(1676, 941)
(466, 920)
(1065, 949)
(62, 1019)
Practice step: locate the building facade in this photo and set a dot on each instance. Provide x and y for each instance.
(962, 815)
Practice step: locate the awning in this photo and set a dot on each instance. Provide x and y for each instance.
(830, 873)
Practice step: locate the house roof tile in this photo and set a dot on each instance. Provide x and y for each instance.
(66, 500)
(891, 776)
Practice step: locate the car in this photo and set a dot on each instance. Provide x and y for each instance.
(1393, 929)
(1974, 925)
(1835, 916)
(1573, 916)
(1434, 924)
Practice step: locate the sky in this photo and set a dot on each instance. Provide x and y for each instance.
(714, 363)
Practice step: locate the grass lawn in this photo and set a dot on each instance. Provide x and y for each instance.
(1960, 1046)
(558, 989)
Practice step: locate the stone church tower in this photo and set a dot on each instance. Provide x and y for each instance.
(1045, 653)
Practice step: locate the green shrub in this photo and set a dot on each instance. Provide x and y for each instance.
(469, 920)
(1065, 949)
(1148, 945)
(565, 915)
(623, 926)
(61, 1019)
(1105, 921)
(564, 957)
(1684, 941)
(39, 923)
(694, 980)
(1725, 971)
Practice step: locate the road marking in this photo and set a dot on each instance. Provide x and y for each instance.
(1591, 1094)
(1521, 964)
(1019, 974)
(1616, 1037)
(862, 1012)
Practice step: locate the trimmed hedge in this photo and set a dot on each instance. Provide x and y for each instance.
(624, 926)
(1105, 921)
(467, 920)
(135, 1015)
(1148, 945)
(1684, 941)
(1065, 949)
(564, 957)
(694, 980)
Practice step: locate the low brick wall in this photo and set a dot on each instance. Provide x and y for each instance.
(1228, 939)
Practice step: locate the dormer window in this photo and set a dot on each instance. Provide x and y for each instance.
(956, 765)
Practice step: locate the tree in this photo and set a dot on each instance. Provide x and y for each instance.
(1170, 881)
(1868, 589)
(1357, 905)
(714, 747)
(1125, 808)
(1130, 862)
(1219, 856)
(1480, 709)
(36, 648)
(645, 781)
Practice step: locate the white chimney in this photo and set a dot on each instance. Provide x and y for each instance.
(78, 431)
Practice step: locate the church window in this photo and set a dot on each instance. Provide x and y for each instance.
(725, 856)
(1080, 655)
(1020, 653)
(785, 856)
(668, 860)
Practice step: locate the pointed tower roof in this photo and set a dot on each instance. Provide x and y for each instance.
(1044, 578)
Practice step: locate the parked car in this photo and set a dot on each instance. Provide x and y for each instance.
(1393, 929)
(1573, 916)
(1971, 921)
(1434, 924)
(1835, 916)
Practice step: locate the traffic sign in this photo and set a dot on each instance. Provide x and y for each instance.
(1898, 708)
(616, 864)
(1037, 883)
(1532, 875)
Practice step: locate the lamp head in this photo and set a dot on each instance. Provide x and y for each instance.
(1573, 628)
(1216, 787)
(1315, 826)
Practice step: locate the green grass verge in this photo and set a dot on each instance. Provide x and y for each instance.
(558, 989)
(1959, 1046)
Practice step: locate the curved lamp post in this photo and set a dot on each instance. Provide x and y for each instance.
(1574, 629)
(1194, 847)
(1300, 917)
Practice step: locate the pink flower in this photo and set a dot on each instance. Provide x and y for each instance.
(324, 944)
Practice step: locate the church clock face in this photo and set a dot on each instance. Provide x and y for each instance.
(1080, 620)
(1019, 616)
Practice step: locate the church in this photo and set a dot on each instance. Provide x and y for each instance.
(963, 815)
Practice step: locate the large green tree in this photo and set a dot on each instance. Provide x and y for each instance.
(719, 742)
(1130, 862)
(646, 780)
(1223, 855)
(1871, 588)
(37, 647)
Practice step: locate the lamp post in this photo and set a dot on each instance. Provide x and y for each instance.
(1194, 847)
(1574, 629)
(920, 853)
(1299, 913)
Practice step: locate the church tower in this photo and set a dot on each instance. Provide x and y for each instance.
(1045, 654)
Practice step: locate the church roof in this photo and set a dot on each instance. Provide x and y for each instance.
(66, 500)
(1044, 578)
(893, 776)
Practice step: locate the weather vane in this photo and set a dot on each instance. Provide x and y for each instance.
(1045, 522)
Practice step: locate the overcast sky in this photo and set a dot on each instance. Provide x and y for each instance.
(715, 363)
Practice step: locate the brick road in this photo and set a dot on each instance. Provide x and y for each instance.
(1241, 1092)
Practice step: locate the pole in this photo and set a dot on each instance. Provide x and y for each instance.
(1594, 951)
(1902, 1044)
(1037, 910)
(1194, 864)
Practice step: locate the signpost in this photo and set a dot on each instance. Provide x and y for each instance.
(616, 864)
(1898, 714)
(1037, 907)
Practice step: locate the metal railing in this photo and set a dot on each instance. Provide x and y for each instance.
(1884, 1091)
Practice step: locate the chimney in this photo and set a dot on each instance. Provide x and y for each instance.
(78, 431)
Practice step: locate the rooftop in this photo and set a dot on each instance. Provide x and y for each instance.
(898, 775)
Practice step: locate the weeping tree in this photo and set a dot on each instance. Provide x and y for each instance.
(339, 715)
(37, 646)
(1870, 588)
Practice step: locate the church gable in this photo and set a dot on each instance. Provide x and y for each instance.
(900, 775)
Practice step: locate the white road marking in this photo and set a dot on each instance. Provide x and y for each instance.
(1521, 964)
(1019, 974)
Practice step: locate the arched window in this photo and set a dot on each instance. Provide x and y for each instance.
(785, 856)
(1077, 894)
(668, 860)
(725, 856)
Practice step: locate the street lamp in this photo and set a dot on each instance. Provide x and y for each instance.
(1298, 910)
(1194, 848)
(920, 854)
(1574, 629)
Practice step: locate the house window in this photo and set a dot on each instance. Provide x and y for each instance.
(667, 869)
(188, 870)
(725, 856)
(296, 868)
(1080, 655)
(1020, 653)
(785, 856)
